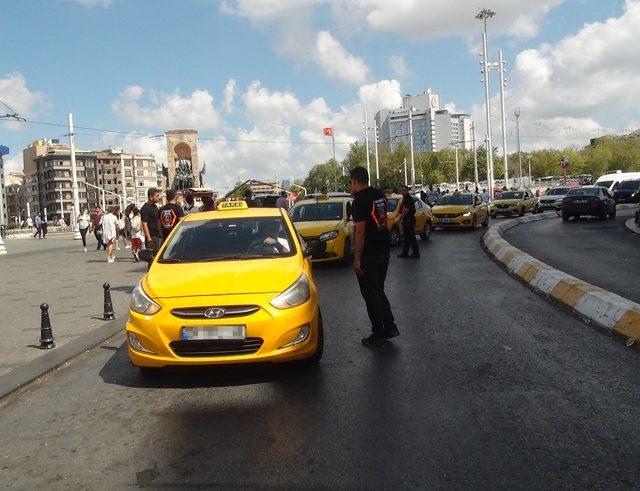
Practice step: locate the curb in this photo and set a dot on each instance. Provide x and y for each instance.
(592, 304)
(631, 226)
(28, 372)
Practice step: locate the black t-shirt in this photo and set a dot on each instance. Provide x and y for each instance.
(149, 215)
(370, 206)
(169, 216)
(408, 204)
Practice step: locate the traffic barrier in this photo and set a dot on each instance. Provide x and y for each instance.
(3, 249)
(108, 314)
(46, 333)
(593, 304)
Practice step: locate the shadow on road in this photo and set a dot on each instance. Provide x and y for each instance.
(119, 371)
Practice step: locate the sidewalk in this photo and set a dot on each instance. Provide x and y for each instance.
(57, 272)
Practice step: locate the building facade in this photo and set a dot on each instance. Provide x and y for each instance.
(433, 128)
(3, 196)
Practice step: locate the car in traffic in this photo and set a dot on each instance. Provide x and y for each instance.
(588, 201)
(612, 180)
(552, 199)
(514, 203)
(228, 286)
(325, 224)
(627, 192)
(460, 210)
(424, 225)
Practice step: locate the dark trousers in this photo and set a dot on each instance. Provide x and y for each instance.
(372, 289)
(99, 239)
(38, 232)
(83, 234)
(410, 238)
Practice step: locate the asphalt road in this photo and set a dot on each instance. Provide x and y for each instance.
(488, 386)
(601, 252)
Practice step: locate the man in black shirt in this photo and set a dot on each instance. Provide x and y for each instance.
(371, 256)
(149, 219)
(170, 214)
(407, 216)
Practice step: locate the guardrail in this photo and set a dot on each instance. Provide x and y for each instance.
(25, 232)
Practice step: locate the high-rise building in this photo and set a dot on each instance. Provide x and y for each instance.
(433, 128)
(3, 196)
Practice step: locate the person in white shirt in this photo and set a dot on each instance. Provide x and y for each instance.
(110, 232)
(137, 235)
(84, 224)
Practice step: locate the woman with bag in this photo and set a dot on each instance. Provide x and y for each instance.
(84, 224)
(137, 235)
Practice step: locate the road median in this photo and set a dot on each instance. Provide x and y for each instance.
(591, 303)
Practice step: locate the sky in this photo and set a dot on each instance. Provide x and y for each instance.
(259, 79)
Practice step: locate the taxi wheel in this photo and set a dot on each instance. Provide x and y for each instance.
(317, 355)
(474, 223)
(394, 236)
(485, 222)
(426, 232)
(346, 256)
(522, 211)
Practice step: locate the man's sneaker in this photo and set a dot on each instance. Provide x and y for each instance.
(374, 341)
(392, 333)
(85, 249)
(127, 247)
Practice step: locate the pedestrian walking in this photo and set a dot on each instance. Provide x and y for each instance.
(84, 224)
(121, 225)
(127, 225)
(110, 232)
(189, 204)
(432, 196)
(37, 223)
(149, 217)
(371, 256)
(208, 204)
(407, 217)
(137, 235)
(97, 227)
(248, 197)
(485, 196)
(45, 227)
(170, 214)
(282, 201)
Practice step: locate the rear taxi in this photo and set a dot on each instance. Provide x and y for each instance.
(512, 203)
(228, 286)
(460, 210)
(325, 225)
(424, 225)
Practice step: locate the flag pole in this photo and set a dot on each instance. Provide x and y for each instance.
(333, 143)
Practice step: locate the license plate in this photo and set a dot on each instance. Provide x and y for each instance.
(446, 220)
(580, 201)
(212, 333)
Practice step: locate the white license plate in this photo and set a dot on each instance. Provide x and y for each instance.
(212, 333)
(580, 201)
(446, 220)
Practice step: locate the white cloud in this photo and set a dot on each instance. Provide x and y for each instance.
(337, 62)
(13, 164)
(398, 66)
(451, 107)
(15, 93)
(167, 111)
(384, 94)
(229, 94)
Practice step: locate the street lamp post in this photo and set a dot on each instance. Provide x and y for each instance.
(517, 114)
(457, 168)
(74, 182)
(413, 164)
(366, 140)
(485, 14)
(503, 111)
(475, 154)
(375, 135)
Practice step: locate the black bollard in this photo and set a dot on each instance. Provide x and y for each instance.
(108, 305)
(46, 334)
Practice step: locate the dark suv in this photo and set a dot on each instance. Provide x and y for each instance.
(592, 200)
(627, 192)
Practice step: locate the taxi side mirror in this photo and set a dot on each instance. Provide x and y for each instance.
(147, 255)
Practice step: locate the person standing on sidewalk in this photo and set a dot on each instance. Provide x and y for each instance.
(110, 232)
(97, 227)
(149, 216)
(44, 225)
(84, 224)
(371, 256)
(137, 236)
(37, 223)
(407, 217)
(170, 214)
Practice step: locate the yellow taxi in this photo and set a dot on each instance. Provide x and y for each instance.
(325, 224)
(460, 210)
(228, 286)
(512, 203)
(424, 225)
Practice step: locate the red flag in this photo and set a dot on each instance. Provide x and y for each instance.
(327, 131)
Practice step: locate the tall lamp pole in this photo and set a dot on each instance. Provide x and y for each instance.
(485, 14)
(517, 114)
(503, 110)
(375, 135)
(366, 140)
(413, 163)
(74, 182)
(475, 154)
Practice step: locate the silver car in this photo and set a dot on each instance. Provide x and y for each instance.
(552, 199)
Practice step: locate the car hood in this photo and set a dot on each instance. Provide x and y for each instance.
(507, 201)
(554, 197)
(222, 277)
(313, 229)
(451, 209)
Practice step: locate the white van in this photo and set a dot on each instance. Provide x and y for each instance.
(610, 180)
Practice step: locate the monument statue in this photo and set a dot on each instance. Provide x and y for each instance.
(184, 175)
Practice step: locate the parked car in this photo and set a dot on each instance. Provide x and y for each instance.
(424, 226)
(552, 199)
(627, 192)
(592, 200)
(514, 203)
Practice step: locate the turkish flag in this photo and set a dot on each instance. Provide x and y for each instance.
(327, 131)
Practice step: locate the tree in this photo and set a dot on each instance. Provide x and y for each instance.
(327, 175)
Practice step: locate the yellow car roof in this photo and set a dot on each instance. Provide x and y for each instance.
(231, 213)
(329, 199)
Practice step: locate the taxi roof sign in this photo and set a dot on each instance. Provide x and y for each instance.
(233, 205)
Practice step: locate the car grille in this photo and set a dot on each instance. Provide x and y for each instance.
(207, 347)
(229, 311)
(548, 201)
(446, 215)
(502, 206)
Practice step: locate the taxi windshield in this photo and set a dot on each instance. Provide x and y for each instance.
(455, 199)
(317, 212)
(557, 192)
(511, 195)
(229, 239)
(392, 203)
(584, 192)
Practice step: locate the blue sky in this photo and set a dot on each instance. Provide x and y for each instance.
(149, 66)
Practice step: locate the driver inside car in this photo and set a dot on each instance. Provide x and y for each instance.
(268, 238)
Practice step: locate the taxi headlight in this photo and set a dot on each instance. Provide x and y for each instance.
(141, 303)
(466, 214)
(295, 295)
(328, 236)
